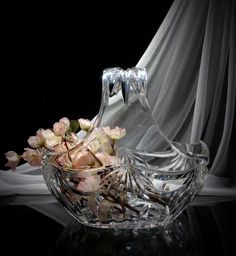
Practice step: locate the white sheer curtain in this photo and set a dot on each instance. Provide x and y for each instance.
(191, 65)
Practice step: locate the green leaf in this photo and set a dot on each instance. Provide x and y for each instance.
(74, 126)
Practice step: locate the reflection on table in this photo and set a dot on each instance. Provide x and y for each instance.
(206, 229)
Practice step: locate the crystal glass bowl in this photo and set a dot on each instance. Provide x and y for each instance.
(155, 178)
(131, 195)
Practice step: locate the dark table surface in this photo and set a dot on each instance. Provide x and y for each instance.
(202, 229)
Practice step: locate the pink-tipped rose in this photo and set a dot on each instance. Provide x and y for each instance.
(51, 139)
(92, 145)
(35, 141)
(116, 133)
(40, 135)
(82, 159)
(60, 148)
(33, 157)
(13, 159)
(72, 140)
(64, 160)
(60, 128)
(85, 124)
(66, 121)
(105, 143)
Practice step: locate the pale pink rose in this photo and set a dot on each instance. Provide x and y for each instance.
(64, 160)
(13, 159)
(89, 183)
(40, 135)
(83, 158)
(35, 141)
(105, 143)
(100, 134)
(107, 148)
(85, 124)
(72, 140)
(106, 159)
(93, 145)
(60, 148)
(33, 157)
(70, 144)
(51, 139)
(66, 121)
(61, 127)
(76, 150)
(116, 133)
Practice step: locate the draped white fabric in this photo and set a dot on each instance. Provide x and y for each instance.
(191, 66)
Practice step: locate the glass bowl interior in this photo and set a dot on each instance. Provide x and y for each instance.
(137, 193)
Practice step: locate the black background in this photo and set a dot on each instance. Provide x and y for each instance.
(53, 59)
(52, 63)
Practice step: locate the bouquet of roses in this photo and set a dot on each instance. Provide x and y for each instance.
(95, 149)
